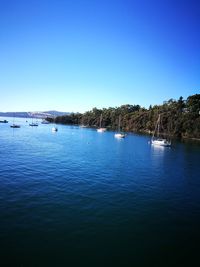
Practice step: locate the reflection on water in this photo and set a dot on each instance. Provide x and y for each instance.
(157, 147)
(158, 151)
(159, 154)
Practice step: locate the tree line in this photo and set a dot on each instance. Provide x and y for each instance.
(180, 118)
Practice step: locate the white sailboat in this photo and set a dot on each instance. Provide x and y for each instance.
(33, 123)
(82, 124)
(14, 125)
(119, 134)
(54, 128)
(100, 129)
(156, 138)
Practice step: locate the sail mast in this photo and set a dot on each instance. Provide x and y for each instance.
(158, 125)
(119, 126)
(100, 121)
(154, 133)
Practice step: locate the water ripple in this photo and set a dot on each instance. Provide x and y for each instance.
(79, 190)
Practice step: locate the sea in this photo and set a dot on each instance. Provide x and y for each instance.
(77, 197)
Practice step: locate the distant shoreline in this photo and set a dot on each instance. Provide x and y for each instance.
(36, 114)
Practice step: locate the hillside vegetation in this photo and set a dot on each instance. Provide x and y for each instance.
(180, 118)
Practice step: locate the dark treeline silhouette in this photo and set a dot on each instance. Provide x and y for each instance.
(180, 118)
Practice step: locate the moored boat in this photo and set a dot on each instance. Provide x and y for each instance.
(119, 134)
(33, 124)
(54, 129)
(161, 142)
(157, 140)
(15, 126)
(101, 129)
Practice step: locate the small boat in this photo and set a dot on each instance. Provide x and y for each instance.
(119, 134)
(33, 124)
(15, 126)
(4, 121)
(159, 141)
(54, 129)
(100, 129)
(82, 125)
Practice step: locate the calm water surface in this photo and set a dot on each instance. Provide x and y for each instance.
(82, 198)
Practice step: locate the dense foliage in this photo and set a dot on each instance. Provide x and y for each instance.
(180, 118)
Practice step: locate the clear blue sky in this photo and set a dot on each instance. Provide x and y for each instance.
(78, 54)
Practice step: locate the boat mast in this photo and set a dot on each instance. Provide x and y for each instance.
(119, 126)
(158, 125)
(100, 121)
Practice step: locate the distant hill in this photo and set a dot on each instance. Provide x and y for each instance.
(35, 114)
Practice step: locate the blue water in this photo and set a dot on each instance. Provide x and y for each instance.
(81, 198)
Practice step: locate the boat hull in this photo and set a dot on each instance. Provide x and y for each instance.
(119, 135)
(33, 124)
(161, 142)
(15, 126)
(101, 130)
(54, 129)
